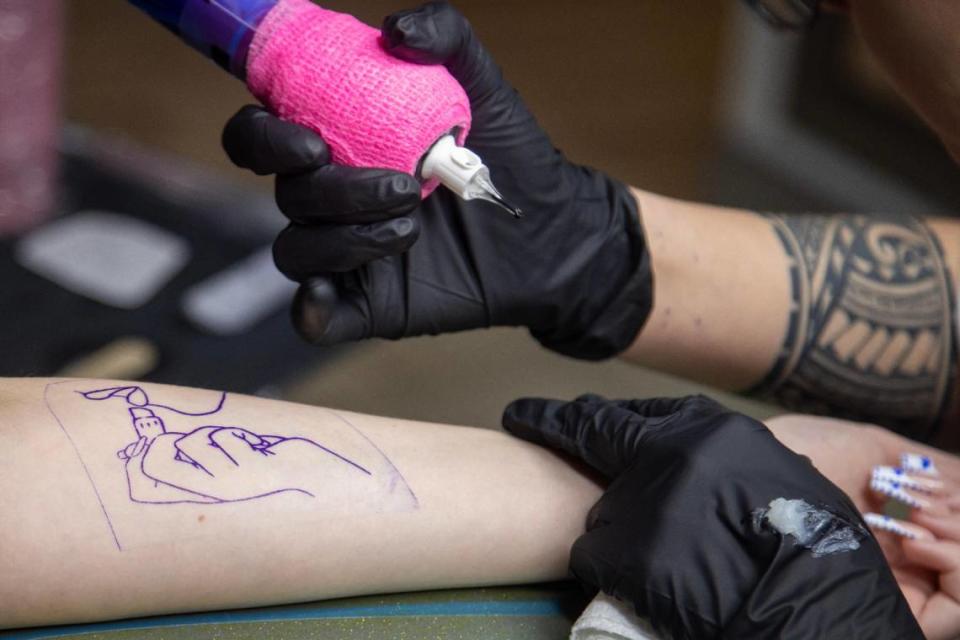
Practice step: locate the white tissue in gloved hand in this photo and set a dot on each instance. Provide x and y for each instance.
(607, 618)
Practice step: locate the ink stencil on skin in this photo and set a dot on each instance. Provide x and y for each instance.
(150, 454)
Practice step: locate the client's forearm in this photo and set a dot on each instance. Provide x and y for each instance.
(158, 499)
(842, 314)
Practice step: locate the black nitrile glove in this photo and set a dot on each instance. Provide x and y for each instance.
(378, 262)
(678, 534)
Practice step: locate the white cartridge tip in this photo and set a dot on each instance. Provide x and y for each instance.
(463, 172)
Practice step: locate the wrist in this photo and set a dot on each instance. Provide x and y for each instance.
(615, 292)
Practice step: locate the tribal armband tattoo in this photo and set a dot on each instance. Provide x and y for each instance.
(871, 334)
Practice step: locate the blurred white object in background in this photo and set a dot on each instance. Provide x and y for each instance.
(30, 46)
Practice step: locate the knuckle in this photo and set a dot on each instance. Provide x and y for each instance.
(287, 194)
(239, 125)
(280, 249)
(289, 256)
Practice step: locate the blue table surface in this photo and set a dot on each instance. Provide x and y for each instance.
(539, 612)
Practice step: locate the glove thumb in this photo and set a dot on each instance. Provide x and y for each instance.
(436, 33)
(325, 314)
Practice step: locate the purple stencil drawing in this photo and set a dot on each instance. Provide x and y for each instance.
(86, 470)
(211, 464)
(397, 481)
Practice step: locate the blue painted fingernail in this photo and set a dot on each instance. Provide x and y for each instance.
(886, 523)
(918, 463)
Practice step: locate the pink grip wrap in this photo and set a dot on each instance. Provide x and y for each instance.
(327, 71)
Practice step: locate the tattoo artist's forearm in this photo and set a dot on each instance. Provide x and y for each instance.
(871, 328)
(848, 315)
(721, 293)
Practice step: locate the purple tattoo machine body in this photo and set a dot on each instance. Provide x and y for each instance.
(329, 72)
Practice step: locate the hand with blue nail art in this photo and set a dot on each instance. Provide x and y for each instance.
(923, 548)
(924, 553)
(854, 454)
(875, 466)
(928, 566)
(683, 530)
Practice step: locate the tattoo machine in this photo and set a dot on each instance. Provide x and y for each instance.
(328, 71)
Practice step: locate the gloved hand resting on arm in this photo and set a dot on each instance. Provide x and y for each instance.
(684, 529)
(378, 262)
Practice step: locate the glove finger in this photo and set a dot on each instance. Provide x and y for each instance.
(604, 435)
(346, 195)
(591, 398)
(595, 559)
(436, 33)
(656, 407)
(257, 140)
(326, 314)
(304, 251)
(659, 407)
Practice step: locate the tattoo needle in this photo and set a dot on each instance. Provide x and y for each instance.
(463, 172)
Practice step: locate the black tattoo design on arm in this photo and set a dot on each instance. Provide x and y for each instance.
(871, 334)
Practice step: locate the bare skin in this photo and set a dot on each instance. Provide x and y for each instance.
(482, 507)
(739, 294)
(916, 43)
(437, 506)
